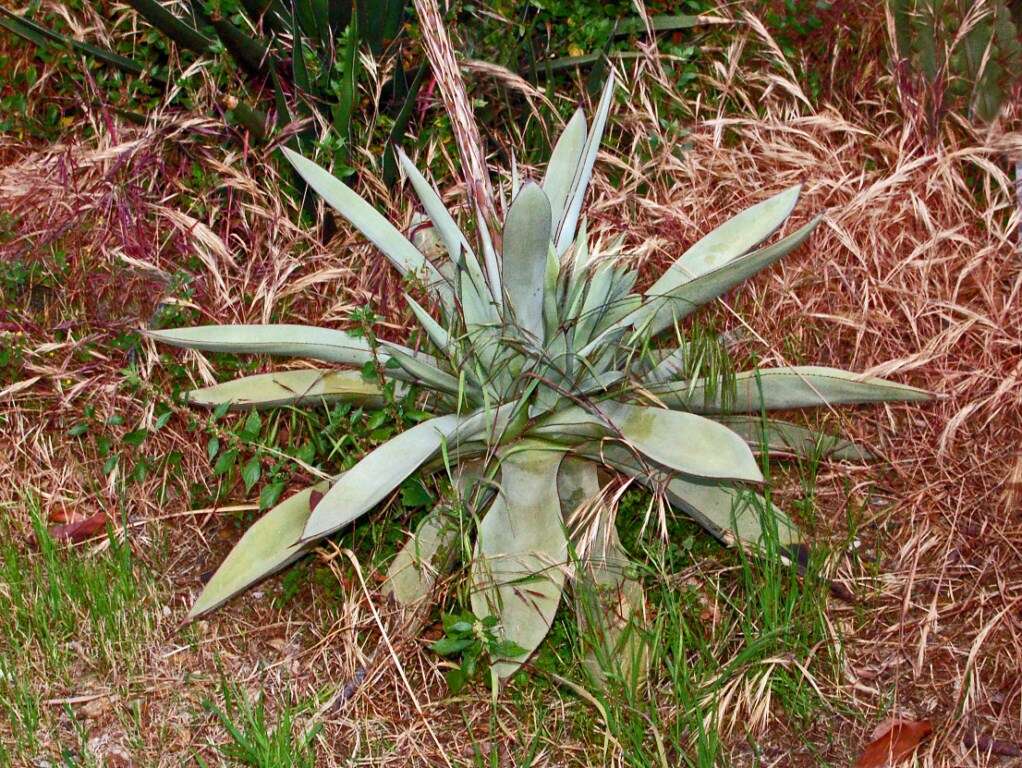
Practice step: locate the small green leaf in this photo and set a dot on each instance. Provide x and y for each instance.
(414, 494)
(270, 493)
(446, 646)
(136, 437)
(212, 447)
(78, 430)
(250, 472)
(456, 680)
(225, 463)
(253, 426)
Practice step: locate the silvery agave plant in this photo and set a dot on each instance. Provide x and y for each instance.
(543, 369)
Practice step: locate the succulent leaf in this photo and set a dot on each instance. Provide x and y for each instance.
(609, 601)
(437, 333)
(267, 546)
(380, 472)
(564, 162)
(730, 240)
(684, 442)
(520, 558)
(565, 234)
(782, 438)
(732, 514)
(804, 386)
(325, 344)
(661, 312)
(269, 390)
(370, 222)
(427, 554)
(448, 229)
(526, 242)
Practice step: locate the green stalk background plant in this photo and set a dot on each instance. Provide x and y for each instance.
(544, 367)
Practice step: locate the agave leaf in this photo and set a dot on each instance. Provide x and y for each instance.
(429, 552)
(727, 513)
(660, 312)
(668, 367)
(423, 372)
(608, 600)
(805, 386)
(326, 344)
(594, 305)
(728, 241)
(490, 259)
(381, 471)
(267, 546)
(575, 287)
(390, 464)
(617, 309)
(413, 572)
(269, 390)
(450, 233)
(521, 550)
(551, 310)
(731, 514)
(436, 332)
(564, 164)
(565, 234)
(787, 439)
(695, 446)
(370, 222)
(526, 242)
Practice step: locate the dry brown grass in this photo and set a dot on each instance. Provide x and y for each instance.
(915, 275)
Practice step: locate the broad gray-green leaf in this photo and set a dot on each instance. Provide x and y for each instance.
(575, 287)
(269, 390)
(367, 220)
(787, 439)
(690, 444)
(795, 387)
(551, 308)
(428, 374)
(662, 311)
(728, 241)
(608, 599)
(594, 305)
(267, 546)
(428, 553)
(669, 366)
(729, 514)
(564, 164)
(448, 229)
(436, 332)
(380, 472)
(610, 604)
(580, 183)
(526, 242)
(521, 551)
(326, 344)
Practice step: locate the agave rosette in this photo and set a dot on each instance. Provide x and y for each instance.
(544, 368)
